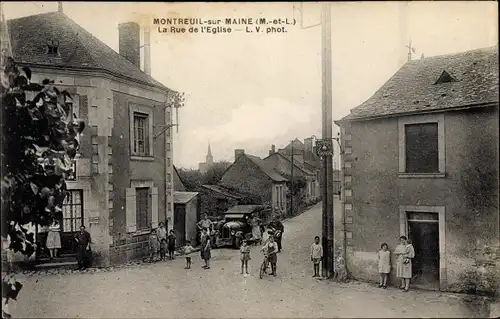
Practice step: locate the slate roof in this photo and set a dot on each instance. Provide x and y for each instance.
(266, 168)
(413, 88)
(78, 48)
(184, 197)
(288, 159)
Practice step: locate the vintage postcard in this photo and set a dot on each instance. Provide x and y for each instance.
(250, 160)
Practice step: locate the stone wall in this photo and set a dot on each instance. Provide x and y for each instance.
(128, 247)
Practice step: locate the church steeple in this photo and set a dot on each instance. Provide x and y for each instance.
(209, 158)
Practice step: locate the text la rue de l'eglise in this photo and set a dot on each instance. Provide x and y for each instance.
(177, 25)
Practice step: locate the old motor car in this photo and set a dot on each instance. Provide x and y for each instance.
(235, 227)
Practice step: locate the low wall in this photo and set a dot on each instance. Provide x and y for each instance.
(128, 248)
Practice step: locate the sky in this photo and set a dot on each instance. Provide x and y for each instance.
(249, 91)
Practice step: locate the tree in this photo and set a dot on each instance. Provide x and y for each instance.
(215, 172)
(191, 178)
(39, 142)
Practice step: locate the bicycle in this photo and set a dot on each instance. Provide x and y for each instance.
(263, 267)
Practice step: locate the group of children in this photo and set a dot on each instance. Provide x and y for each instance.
(160, 243)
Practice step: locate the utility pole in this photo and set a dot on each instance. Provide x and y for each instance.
(327, 131)
(291, 185)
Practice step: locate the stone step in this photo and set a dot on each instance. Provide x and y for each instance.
(57, 264)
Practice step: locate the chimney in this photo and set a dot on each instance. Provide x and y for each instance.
(238, 153)
(272, 150)
(59, 7)
(308, 144)
(147, 50)
(129, 42)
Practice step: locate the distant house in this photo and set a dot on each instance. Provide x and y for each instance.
(120, 189)
(304, 155)
(251, 175)
(421, 160)
(283, 165)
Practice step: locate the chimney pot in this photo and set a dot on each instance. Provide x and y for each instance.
(238, 153)
(129, 42)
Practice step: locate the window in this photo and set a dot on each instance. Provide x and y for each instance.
(53, 47)
(169, 177)
(168, 147)
(168, 161)
(141, 134)
(72, 211)
(143, 215)
(422, 146)
(422, 149)
(279, 196)
(72, 176)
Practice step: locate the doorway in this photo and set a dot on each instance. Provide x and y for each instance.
(180, 224)
(423, 233)
(72, 219)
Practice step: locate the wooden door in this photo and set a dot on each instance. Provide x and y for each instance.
(180, 224)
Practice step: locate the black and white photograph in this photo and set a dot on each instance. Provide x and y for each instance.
(250, 159)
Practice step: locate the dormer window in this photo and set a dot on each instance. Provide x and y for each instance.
(53, 47)
(445, 77)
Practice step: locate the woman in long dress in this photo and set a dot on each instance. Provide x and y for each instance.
(53, 242)
(405, 253)
(256, 232)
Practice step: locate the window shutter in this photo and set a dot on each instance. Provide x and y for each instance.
(130, 210)
(154, 207)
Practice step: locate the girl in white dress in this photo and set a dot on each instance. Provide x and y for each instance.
(53, 242)
(384, 264)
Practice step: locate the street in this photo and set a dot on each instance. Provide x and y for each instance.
(167, 290)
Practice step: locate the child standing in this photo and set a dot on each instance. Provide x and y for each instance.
(154, 245)
(171, 244)
(188, 249)
(245, 256)
(384, 264)
(206, 249)
(316, 255)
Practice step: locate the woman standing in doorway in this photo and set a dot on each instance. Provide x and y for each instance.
(405, 253)
(53, 242)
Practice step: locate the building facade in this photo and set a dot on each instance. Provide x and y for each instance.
(420, 159)
(123, 182)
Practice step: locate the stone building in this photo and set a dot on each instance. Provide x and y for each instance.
(421, 159)
(123, 182)
(250, 175)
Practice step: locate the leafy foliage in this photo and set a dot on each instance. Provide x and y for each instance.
(215, 172)
(39, 142)
(193, 178)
